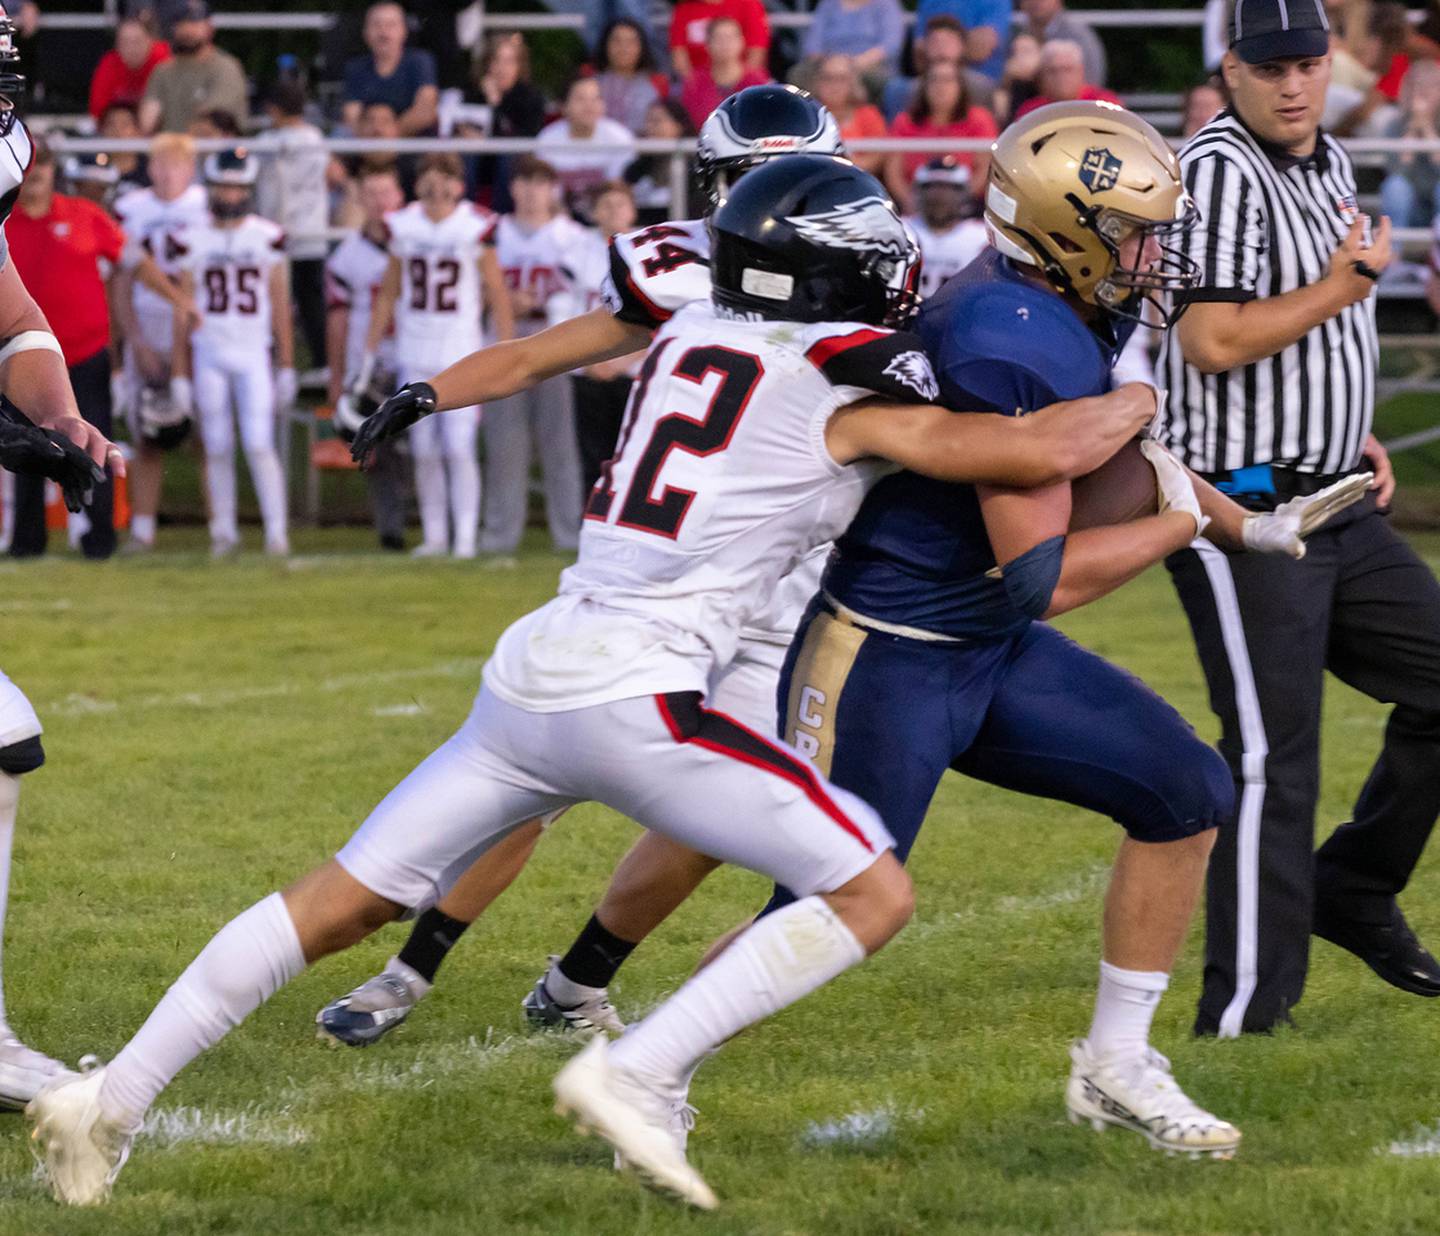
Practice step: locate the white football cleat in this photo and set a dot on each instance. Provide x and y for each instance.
(23, 1072)
(80, 1152)
(1139, 1093)
(633, 1117)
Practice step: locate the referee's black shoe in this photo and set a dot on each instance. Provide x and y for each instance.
(1389, 948)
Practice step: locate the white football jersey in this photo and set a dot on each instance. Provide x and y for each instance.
(156, 226)
(656, 270)
(721, 484)
(946, 253)
(231, 268)
(19, 152)
(583, 268)
(437, 317)
(353, 274)
(531, 260)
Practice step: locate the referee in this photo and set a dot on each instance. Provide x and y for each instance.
(1271, 375)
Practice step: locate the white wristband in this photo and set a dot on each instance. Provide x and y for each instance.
(31, 341)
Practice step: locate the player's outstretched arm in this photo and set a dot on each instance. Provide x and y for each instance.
(506, 369)
(1057, 443)
(36, 377)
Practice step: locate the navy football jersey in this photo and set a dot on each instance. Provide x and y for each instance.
(917, 553)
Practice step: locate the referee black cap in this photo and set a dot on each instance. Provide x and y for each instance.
(1262, 30)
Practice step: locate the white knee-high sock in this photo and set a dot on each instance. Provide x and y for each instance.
(783, 957)
(1125, 1006)
(9, 805)
(269, 482)
(220, 477)
(430, 494)
(247, 962)
(464, 500)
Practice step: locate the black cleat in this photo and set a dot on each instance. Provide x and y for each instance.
(1390, 949)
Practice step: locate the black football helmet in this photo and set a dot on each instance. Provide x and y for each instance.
(756, 124)
(231, 169)
(12, 82)
(813, 239)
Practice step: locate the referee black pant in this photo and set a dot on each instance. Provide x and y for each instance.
(91, 381)
(1364, 606)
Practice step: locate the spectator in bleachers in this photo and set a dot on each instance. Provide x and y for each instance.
(837, 85)
(123, 121)
(690, 24)
(1360, 100)
(199, 77)
(585, 125)
(216, 122)
(123, 72)
(942, 108)
(530, 245)
(379, 122)
(1021, 80)
(706, 88)
(1062, 78)
(404, 77)
(943, 43)
(987, 29)
(1049, 19)
(1199, 105)
(1410, 192)
(649, 174)
(870, 32)
(501, 102)
(628, 77)
(293, 192)
(602, 390)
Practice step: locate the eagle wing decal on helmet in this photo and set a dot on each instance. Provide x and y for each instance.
(868, 225)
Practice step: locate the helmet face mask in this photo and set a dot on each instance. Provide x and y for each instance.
(12, 82)
(758, 124)
(230, 177)
(1126, 290)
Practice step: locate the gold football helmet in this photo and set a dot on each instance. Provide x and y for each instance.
(1070, 183)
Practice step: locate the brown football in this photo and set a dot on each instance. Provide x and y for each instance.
(1121, 489)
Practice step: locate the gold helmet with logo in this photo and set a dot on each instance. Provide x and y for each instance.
(1070, 183)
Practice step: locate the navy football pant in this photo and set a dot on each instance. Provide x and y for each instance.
(884, 716)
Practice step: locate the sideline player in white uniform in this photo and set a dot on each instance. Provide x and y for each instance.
(441, 279)
(353, 275)
(51, 439)
(234, 269)
(153, 218)
(600, 695)
(651, 274)
(949, 238)
(530, 246)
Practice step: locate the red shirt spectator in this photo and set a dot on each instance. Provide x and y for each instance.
(942, 108)
(692, 20)
(705, 89)
(1062, 78)
(57, 254)
(121, 75)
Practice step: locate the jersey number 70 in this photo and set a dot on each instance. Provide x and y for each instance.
(663, 515)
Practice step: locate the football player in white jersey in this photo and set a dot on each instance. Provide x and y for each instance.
(651, 274)
(441, 279)
(48, 438)
(234, 269)
(530, 245)
(600, 695)
(353, 275)
(153, 218)
(950, 233)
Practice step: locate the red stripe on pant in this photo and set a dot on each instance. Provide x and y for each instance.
(780, 761)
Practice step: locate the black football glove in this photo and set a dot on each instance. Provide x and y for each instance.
(29, 450)
(392, 418)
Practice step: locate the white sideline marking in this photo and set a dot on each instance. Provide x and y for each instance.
(398, 710)
(444, 1060)
(175, 1126)
(84, 705)
(35, 607)
(1424, 1145)
(859, 1129)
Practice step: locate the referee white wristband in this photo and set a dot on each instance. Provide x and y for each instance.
(31, 341)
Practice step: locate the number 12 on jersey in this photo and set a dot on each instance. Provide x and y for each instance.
(662, 513)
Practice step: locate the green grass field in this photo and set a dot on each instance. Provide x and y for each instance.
(214, 730)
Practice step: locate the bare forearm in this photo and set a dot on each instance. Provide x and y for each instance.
(39, 384)
(1217, 337)
(337, 326)
(1099, 560)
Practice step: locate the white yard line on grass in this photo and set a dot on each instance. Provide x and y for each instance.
(1423, 1144)
(176, 1126)
(861, 1129)
(84, 705)
(436, 1062)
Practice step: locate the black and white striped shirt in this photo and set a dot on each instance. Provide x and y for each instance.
(1269, 224)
